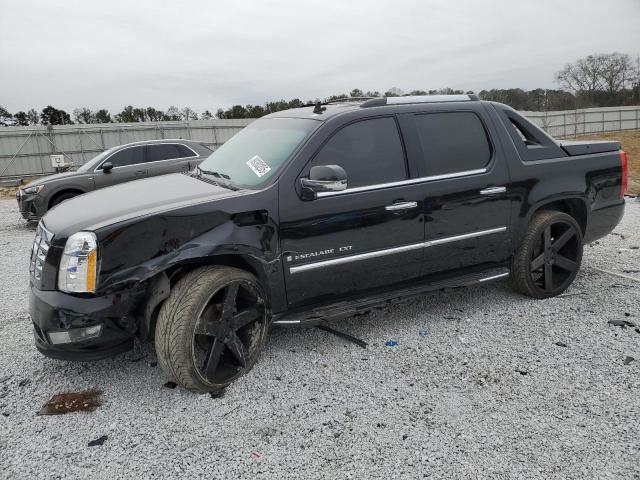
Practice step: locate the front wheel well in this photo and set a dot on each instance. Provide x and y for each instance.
(161, 285)
(66, 191)
(237, 261)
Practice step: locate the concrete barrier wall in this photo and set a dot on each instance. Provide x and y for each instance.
(25, 151)
(570, 123)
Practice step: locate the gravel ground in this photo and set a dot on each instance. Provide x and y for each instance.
(476, 387)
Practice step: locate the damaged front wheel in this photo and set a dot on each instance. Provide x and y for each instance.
(212, 327)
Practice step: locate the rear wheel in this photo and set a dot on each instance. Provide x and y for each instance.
(549, 258)
(212, 327)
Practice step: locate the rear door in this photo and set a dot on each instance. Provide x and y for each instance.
(128, 164)
(466, 194)
(163, 158)
(366, 237)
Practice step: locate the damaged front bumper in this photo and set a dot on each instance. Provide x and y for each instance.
(69, 327)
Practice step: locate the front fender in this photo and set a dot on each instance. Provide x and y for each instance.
(136, 251)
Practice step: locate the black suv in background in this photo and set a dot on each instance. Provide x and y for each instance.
(120, 164)
(318, 213)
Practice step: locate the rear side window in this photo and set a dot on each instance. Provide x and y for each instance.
(126, 157)
(370, 151)
(185, 151)
(453, 142)
(165, 151)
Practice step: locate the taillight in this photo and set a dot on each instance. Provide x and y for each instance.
(624, 164)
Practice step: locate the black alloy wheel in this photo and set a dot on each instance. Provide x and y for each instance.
(211, 329)
(549, 257)
(227, 332)
(555, 259)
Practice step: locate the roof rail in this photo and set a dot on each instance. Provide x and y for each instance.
(348, 99)
(377, 102)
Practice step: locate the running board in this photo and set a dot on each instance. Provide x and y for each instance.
(349, 308)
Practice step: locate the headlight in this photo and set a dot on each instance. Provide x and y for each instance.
(77, 272)
(33, 190)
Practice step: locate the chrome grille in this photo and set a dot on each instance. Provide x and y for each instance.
(39, 251)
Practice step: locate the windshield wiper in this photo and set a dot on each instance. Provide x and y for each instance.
(220, 178)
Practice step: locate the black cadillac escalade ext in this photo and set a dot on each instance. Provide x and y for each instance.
(317, 213)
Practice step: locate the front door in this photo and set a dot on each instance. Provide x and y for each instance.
(366, 237)
(128, 164)
(467, 204)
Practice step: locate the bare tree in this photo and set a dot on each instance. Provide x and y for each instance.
(585, 75)
(83, 115)
(394, 92)
(188, 114)
(598, 77)
(617, 72)
(173, 113)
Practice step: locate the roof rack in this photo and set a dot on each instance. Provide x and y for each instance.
(318, 106)
(348, 99)
(377, 102)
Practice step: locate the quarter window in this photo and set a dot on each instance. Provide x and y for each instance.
(370, 151)
(126, 157)
(452, 142)
(165, 151)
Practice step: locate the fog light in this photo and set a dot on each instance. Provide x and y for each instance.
(75, 334)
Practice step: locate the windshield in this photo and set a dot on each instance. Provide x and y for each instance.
(91, 164)
(252, 156)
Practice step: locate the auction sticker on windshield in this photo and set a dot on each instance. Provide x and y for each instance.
(258, 166)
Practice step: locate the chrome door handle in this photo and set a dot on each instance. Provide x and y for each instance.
(400, 206)
(493, 190)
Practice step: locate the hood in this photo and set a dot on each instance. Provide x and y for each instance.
(118, 203)
(49, 178)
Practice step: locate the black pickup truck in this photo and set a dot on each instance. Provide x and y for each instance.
(318, 213)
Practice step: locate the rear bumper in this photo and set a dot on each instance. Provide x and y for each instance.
(603, 221)
(53, 311)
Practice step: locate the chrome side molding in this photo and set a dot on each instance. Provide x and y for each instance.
(390, 251)
(354, 258)
(401, 183)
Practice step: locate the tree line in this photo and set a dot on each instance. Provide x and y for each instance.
(598, 80)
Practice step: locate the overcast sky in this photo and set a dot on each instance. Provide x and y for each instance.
(206, 54)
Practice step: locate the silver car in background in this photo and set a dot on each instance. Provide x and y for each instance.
(124, 163)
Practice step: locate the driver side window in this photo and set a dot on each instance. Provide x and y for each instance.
(370, 151)
(128, 156)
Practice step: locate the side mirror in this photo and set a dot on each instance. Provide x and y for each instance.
(323, 178)
(106, 167)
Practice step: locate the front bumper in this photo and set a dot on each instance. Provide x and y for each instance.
(53, 311)
(29, 205)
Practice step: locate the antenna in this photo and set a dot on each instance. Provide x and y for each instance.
(319, 108)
